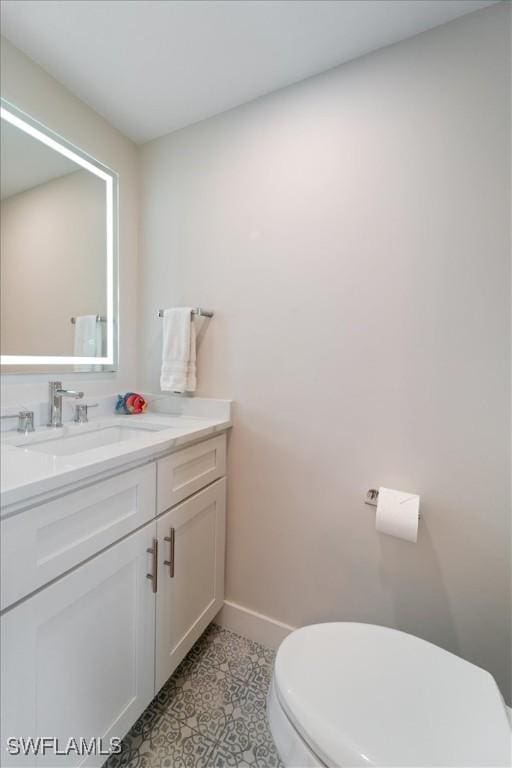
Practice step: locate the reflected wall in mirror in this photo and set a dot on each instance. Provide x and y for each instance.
(57, 227)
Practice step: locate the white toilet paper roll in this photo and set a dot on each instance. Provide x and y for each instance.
(398, 514)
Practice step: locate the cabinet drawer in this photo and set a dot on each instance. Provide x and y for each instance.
(41, 543)
(185, 472)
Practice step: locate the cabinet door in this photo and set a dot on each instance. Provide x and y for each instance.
(78, 656)
(190, 574)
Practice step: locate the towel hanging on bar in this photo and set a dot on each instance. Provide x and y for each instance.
(178, 372)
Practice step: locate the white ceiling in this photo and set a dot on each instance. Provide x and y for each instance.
(152, 66)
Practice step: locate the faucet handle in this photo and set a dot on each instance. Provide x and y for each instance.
(81, 412)
(25, 420)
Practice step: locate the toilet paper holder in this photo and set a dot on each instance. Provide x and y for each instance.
(372, 497)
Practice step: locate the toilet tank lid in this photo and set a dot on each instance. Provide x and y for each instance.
(363, 695)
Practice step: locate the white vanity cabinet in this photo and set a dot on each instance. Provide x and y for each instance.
(190, 574)
(113, 595)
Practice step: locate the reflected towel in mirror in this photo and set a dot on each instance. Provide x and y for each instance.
(88, 337)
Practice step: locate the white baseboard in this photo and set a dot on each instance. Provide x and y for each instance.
(255, 626)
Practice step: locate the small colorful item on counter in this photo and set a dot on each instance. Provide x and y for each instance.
(131, 403)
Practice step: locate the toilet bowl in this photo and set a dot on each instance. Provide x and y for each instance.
(347, 694)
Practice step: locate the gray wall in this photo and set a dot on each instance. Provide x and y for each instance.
(352, 235)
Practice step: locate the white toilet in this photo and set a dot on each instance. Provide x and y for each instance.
(347, 694)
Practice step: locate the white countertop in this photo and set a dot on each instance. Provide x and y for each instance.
(26, 473)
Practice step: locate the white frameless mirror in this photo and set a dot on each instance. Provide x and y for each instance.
(58, 228)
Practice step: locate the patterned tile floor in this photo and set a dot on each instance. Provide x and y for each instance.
(210, 714)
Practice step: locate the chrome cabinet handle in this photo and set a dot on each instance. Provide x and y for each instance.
(153, 576)
(171, 539)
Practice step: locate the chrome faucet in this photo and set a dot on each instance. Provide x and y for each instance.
(55, 402)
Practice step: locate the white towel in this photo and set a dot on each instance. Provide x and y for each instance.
(178, 351)
(88, 337)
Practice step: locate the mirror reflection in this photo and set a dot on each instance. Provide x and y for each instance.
(54, 261)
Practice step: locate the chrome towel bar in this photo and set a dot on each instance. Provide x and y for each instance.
(198, 311)
(99, 319)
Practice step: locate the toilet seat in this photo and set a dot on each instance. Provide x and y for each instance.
(362, 695)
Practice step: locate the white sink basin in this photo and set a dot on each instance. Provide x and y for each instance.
(78, 443)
